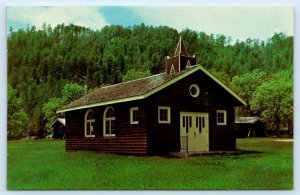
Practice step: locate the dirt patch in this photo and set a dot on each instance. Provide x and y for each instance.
(284, 140)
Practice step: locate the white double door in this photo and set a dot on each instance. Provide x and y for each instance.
(194, 131)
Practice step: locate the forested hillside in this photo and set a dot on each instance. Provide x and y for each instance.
(42, 61)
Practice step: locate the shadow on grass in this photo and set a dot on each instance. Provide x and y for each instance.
(241, 152)
(210, 153)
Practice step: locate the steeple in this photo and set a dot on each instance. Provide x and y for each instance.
(180, 49)
(180, 60)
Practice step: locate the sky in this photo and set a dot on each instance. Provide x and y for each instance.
(239, 22)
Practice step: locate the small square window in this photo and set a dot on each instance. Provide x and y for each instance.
(221, 117)
(164, 114)
(134, 115)
(60, 129)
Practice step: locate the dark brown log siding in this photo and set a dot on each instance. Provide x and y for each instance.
(150, 137)
(129, 139)
(163, 138)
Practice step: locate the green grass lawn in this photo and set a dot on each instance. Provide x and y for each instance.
(45, 165)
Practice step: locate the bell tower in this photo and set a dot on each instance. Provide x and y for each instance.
(180, 60)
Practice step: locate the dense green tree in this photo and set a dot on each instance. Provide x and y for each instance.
(222, 76)
(274, 99)
(70, 92)
(135, 74)
(16, 117)
(42, 60)
(49, 109)
(245, 85)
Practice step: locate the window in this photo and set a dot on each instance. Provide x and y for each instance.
(194, 90)
(109, 122)
(89, 124)
(164, 115)
(134, 113)
(185, 123)
(221, 117)
(60, 129)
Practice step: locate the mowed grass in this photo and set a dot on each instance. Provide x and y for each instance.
(44, 165)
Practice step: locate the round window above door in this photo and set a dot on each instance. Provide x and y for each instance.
(194, 90)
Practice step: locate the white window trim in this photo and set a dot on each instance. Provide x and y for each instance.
(169, 114)
(131, 115)
(225, 117)
(88, 121)
(107, 119)
(197, 90)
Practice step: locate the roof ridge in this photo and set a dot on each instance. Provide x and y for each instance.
(142, 95)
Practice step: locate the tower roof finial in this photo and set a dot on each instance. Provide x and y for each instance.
(180, 48)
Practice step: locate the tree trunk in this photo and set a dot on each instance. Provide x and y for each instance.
(277, 123)
(290, 127)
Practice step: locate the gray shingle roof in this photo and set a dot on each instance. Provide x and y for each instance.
(123, 90)
(137, 89)
(61, 120)
(250, 120)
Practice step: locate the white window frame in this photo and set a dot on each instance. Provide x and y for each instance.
(224, 112)
(197, 90)
(168, 112)
(132, 122)
(108, 119)
(88, 122)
